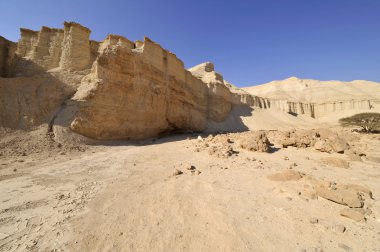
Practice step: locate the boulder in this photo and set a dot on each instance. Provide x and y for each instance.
(357, 188)
(255, 141)
(354, 214)
(342, 196)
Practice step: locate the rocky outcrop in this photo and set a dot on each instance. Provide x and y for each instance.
(255, 141)
(117, 89)
(51, 48)
(318, 98)
(29, 101)
(114, 89)
(137, 93)
(7, 49)
(76, 52)
(219, 96)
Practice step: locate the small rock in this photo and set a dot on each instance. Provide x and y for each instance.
(354, 214)
(373, 159)
(177, 172)
(190, 167)
(14, 169)
(198, 172)
(344, 247)
(340, 228)
(346, 197)
(357, 188)
(286, 158)
(314, 220)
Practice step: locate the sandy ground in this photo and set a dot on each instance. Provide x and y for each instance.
(124, 197)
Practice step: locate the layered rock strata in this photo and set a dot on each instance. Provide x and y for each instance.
(319, 98)
(114, 89)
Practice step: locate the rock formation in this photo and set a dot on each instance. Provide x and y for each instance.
(114, 89)
(318, 98)
(137, 93)
(219, 101)
(119, 89)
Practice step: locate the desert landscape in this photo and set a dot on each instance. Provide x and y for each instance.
(116, 146)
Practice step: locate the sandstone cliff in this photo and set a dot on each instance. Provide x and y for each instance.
(219, 96)
(114, 89)
(319, 98)
(119, 89)
(137, 93)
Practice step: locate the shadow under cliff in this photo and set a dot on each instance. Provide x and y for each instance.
(234, 121)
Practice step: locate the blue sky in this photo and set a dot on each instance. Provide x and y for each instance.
(250, 42)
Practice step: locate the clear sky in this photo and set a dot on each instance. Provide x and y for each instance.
(250, 42)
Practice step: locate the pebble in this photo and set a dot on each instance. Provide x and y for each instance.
(340, 228)
(177, 172)
(190, 167)
(314, 220)
(344, 247)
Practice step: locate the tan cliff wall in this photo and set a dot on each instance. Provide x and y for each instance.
(51, 48)
(26, 102)
(114, 89)
(118, 89)
(314, 110)
(219, 96)
(76, 52)
(48, 48)
(7, 52)
(318, 110)
(134, 93)
(317, 98)
(3, 55)
(29, 93)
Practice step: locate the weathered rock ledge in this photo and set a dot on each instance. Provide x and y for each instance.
(114, 89)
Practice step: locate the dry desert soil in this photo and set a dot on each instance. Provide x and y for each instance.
(187, 193)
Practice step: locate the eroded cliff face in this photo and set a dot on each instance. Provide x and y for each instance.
(319, 98)
(7, 49)
(29, 101)
(33, 84)
(119, 89)
(114, 89)
(219, 96)
(137, 93)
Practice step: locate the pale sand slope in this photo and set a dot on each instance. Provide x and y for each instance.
(314, 91)
(124, 198)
